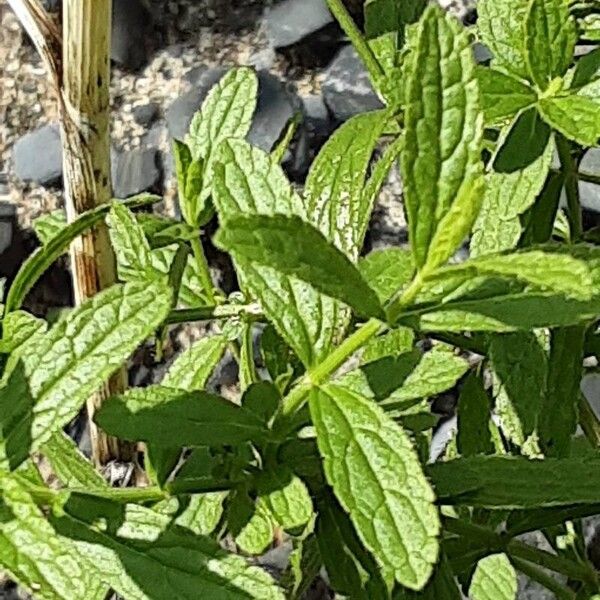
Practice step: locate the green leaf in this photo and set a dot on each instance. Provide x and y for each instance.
(16, 415)
(587, 69)
(194, 418)
(576, 117)
(441, 163)
(262, 398)
(71, 467)
(132, 250)
(504, 312)
(494, 579)
(191, 292)
(296, 249)
(559, 413)
(200, 513)
(520, 367)
(335, 202)
(523, 143)
(226, 113)
(365, 450)
(515, 482)
(19, 328)
(385, 16)
(285, 497)
(81, 351)
(163, 231)
(49, 225)
(500, 24)
(248, 181)
(351, 570)
(507, 196)
(278, 358)
(502, 95)
(437, 371)
(441, 585)
(550, 37)
(257, 534)
(412, 375)
(558, 273)
(387, 271)
(473, 419)
(183, 166)
(541, 216)
(144, 555)
(38, 262)
(192, 368)
(392, 343)
(34, 555)
(379, 174)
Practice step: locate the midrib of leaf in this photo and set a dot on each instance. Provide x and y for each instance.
(374, 473)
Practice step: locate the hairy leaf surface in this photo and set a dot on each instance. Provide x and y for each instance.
(172, 417)
(516, 482)
(507, 196)
(441, 163)
(502, 95)
(494, 579)
(32, 553)
(79, 353)
(296, 249)
(145, 556)
(550, 36)
(576, 117)
(375, 473)
(249, 182)
(500, 25)
(335, 202)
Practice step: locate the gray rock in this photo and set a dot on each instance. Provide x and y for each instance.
(132, 26)
(8, 216)
(37, 156)
(134, 171)
(590, 192)
(146, 114)
(482, 53)
(316, 113)
(276, 105)
(347, 89)
(51, 5)
(292, 20)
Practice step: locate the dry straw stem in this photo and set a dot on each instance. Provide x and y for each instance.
(78, 65)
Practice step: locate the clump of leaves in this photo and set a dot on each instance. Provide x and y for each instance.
(341, 461)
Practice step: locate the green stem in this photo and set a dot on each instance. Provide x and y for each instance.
(397, 306)
(495, 542)
(248, 374)
(319, 374)
(569, 169)
(203, 270)
(209, 313)
(340, 12)
(296, 398)
(589, 177)
(553, 562)
(46, 496)
(533, 572)
(280, 149)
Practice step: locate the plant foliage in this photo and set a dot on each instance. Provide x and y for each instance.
(340, 461)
